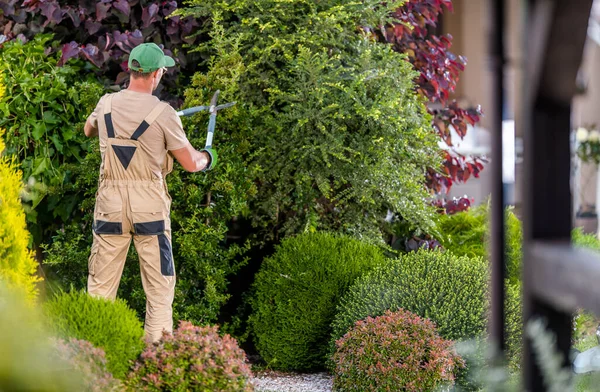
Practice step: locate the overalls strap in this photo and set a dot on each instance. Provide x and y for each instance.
(150, 118)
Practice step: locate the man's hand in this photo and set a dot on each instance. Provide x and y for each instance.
(191, 159)
(89, 129)
(213, 157)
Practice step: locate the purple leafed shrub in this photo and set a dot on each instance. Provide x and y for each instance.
(103, 32)
(398, 351)
(89, 362)
(192, 358)
(439, 70)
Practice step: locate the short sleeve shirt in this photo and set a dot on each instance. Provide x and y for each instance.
(129, 108)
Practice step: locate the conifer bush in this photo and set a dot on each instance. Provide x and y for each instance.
(17, 265)
(109, 325)
(192, 359)
(296, 292)
(397, 351)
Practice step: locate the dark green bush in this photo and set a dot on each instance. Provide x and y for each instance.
(109, 325)
(192, 359)
(296, 292)
(450, 290)
(398, 351)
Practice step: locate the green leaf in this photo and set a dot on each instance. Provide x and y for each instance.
(57, 143)
(50, 117)
(39, 129)
(40, 164)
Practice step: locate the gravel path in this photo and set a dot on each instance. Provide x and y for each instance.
(286, 382)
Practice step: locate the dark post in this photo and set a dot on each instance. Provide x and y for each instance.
(555, 35)
(497, 57)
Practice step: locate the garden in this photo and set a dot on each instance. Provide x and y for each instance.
(316, 246)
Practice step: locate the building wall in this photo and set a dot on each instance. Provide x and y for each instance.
(469, 27)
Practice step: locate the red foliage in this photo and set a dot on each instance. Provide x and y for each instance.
(88, 362)
(398, 351)
(453, 206)
(439, 71)
(192, 358)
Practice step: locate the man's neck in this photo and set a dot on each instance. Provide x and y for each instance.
(140, 86)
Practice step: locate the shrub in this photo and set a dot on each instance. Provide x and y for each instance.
(329, 116)
(110, 325)
(584, 240)
(393, 352)
(466, 234)
(26, 351)
(103, 33)
(43, 111)
(90, 362)
(296, 291)
(192, 359)
(204, 257)
(452, 291)
(17, 265)
(439, 71)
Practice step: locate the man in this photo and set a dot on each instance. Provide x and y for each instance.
(137, 132)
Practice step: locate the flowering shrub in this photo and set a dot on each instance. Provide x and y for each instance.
(90, 362)
(192, 359)
(588, 144)
(398, 351)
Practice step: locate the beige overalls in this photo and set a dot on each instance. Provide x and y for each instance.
(133, 202)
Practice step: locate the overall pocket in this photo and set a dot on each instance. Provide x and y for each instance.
(148, 216)
(108, 214)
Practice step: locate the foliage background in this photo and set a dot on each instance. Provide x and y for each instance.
(43, 111)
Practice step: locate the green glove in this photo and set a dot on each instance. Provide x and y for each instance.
(214, 157)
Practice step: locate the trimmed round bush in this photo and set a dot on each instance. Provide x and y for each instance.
(192, 359)
(90, 362)
(447, 289)
(296, 293)
(110, 325)
(450, 290)
(398, 351)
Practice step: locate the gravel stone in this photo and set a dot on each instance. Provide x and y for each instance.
(292, 382)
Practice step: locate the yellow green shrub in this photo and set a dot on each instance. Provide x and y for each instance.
(17, 265)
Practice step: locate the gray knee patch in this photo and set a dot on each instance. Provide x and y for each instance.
(166, 256)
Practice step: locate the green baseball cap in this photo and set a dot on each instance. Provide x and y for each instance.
(150, 57)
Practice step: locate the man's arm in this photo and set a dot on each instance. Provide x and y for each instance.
(89, 129)
(191, 159)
